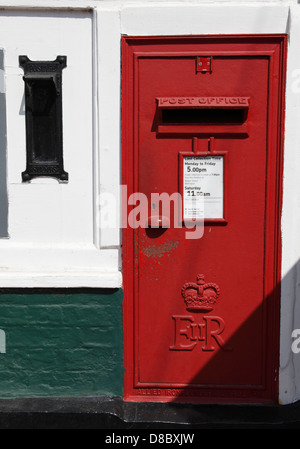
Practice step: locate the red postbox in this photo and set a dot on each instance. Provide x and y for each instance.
(202, 127)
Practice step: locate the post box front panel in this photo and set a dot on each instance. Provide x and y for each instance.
(201, 313)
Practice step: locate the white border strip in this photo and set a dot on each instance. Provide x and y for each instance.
(231, 18)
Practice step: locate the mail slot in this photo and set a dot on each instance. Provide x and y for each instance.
(202, 115)
(202, 145)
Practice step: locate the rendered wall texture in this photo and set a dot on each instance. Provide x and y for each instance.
(61, 343)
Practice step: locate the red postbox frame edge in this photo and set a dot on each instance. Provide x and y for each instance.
(128, 180)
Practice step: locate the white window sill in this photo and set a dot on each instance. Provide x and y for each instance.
(58, 279)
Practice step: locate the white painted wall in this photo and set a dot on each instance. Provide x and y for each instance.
(66, 247)
(290, 300)
(53, 237)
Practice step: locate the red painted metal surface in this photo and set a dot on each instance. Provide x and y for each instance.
(201, 316)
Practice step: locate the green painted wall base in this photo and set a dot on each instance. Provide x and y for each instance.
(61, 343)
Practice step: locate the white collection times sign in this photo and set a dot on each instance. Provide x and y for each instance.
(203, 187)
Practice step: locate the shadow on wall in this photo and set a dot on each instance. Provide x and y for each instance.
(263, 365)
(3, 169)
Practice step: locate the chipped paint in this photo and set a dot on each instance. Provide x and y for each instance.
(164, 249)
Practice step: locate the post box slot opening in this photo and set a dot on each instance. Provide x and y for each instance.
(203, 116)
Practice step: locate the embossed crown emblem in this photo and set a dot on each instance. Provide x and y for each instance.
(200, 297)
